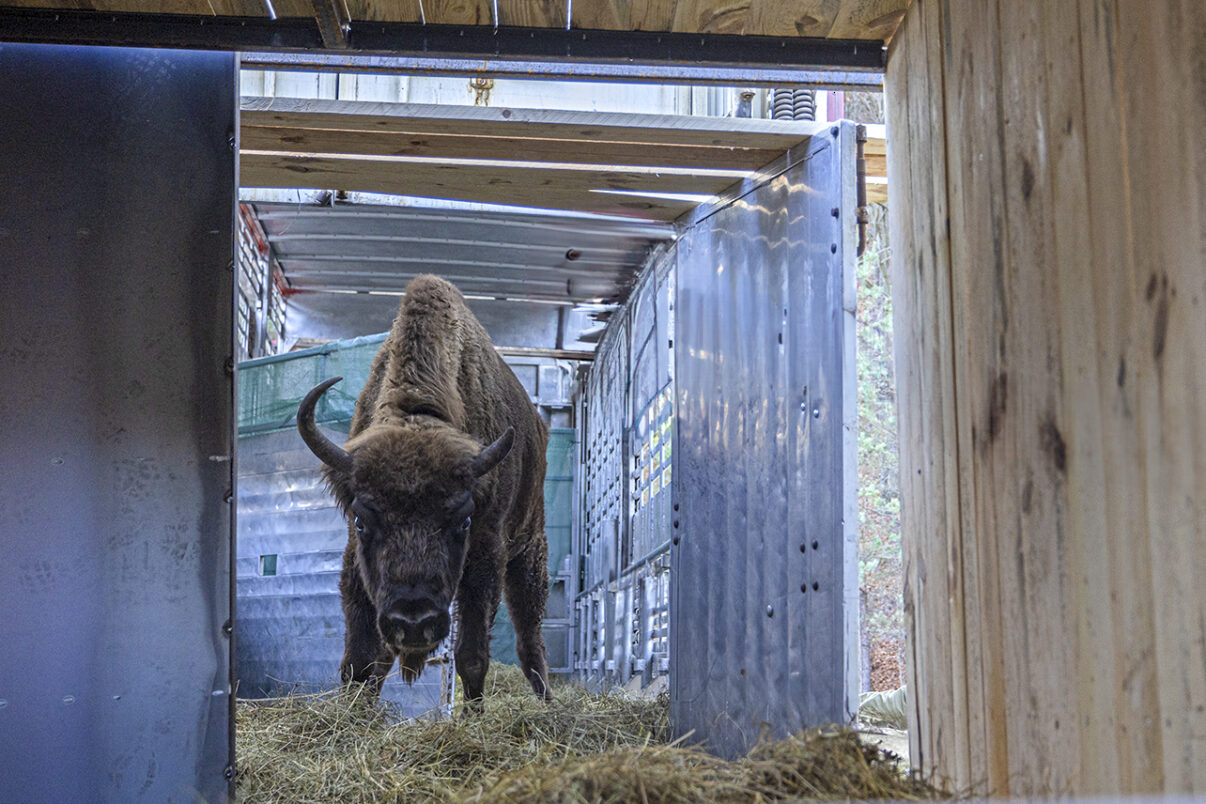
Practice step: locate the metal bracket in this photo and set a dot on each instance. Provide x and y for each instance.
(332, 23)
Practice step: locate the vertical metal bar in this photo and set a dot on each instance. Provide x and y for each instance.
(860, 137)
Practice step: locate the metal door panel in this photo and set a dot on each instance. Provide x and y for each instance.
(764, 597)
(116, 332)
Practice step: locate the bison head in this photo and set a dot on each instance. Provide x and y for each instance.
(409, 494)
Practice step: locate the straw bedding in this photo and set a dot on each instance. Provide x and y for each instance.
(579, 748)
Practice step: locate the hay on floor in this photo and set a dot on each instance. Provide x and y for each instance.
(579, 748)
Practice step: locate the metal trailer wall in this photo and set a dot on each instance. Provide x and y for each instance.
(116, 333)
(717, 536)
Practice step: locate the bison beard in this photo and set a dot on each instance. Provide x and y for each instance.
(433, 515)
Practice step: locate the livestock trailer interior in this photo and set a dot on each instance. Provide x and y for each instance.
(693, 356)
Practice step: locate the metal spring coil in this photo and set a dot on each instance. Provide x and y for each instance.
(794, 104)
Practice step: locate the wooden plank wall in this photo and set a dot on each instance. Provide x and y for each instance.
(1049, 280)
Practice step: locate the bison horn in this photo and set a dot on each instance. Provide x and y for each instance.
(327, 450)
(492, 455)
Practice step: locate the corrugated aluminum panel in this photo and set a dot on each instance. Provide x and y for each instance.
(116, 328)
(378, 248)
(764, 575)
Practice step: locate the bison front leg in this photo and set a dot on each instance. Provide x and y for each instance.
(366, 660)
(477, 601)
(527, 588)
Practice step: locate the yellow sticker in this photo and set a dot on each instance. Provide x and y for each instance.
(657, 461)
(645, 496)
(645, 474)
(666, 452)
(655, 486)
(666, 476)
(655, 439)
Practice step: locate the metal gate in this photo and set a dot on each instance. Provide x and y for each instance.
(718, 533)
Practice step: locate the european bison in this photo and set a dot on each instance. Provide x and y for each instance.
(441, 480)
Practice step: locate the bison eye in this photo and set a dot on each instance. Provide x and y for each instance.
(464, 526)
(359, 526)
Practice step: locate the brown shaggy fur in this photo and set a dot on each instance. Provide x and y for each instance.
(436, 394)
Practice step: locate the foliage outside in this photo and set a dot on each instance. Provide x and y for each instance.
(880, 565)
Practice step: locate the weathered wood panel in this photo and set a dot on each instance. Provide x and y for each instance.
(840, 19)
(1050, 289)
(381, 10)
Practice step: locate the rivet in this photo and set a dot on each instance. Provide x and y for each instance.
(815, 586)
(770, 611)
(803, 547)
(815, 545)
(833, 248)
(676, 523)
(804, 588)
(835, 212)
(834, 131)
(816, 413)
(674, 539)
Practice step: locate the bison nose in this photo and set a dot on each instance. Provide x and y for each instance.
(414, 622)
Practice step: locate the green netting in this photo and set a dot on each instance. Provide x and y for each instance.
(270, 388)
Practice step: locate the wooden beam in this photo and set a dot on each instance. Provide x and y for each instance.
(548, 187)
(375, 143)
(420, 118)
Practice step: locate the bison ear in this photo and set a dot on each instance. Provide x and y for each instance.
(492, 455)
